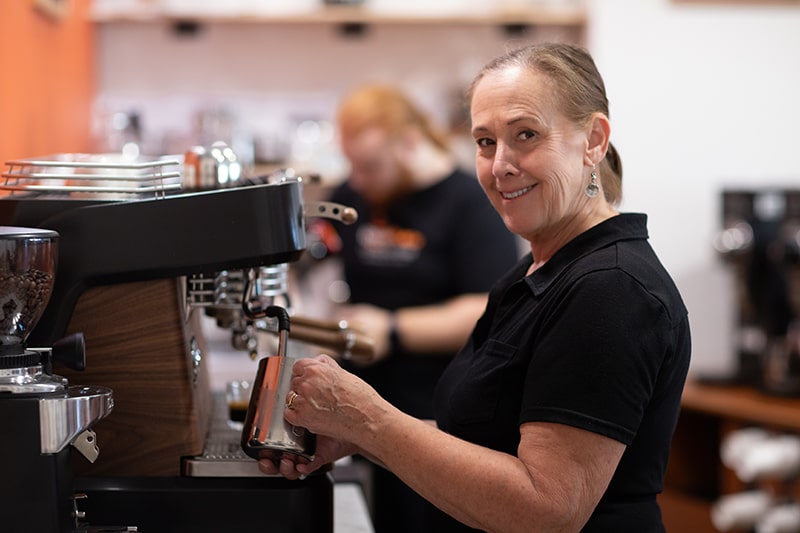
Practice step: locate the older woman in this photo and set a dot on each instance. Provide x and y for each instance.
(558, 413)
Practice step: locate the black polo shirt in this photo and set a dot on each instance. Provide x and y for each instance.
(597, 338)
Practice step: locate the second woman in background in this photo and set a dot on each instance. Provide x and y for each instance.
(416, 284)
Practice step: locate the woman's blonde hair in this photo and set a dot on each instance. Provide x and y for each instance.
(387, 108)
(580, 91)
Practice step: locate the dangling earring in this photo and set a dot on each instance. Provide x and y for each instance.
(592, 189)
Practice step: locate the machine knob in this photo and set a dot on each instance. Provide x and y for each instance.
(71, 351)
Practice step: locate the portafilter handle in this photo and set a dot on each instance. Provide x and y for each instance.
(343, 340)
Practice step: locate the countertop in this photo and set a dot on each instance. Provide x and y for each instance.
(350, 509)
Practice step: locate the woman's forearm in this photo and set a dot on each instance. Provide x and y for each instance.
(482, 488)
(553, 483)
(440, 328)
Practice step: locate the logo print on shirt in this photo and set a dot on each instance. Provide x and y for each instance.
(380, 244)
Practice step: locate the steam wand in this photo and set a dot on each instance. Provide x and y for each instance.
(253, 310)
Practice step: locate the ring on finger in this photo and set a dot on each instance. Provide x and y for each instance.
(292, 397)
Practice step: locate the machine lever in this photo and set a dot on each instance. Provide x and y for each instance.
(332, 210)
(86, 443)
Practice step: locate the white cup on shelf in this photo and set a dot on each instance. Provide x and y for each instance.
(737, 444)
(777, 457)
(783, 518)
(740, 511)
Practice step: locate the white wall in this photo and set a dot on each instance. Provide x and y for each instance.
(702, 97)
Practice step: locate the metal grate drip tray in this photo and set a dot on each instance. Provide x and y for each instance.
(222, 453)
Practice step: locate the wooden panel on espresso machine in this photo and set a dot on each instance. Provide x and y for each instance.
(140, 343)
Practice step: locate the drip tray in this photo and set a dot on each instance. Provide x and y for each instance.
(222, 453)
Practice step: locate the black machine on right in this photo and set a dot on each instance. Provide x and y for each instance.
(760, 240)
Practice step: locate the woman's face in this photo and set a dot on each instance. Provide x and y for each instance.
(531, 160)
(376, 171)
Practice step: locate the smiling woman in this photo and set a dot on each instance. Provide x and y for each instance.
(558, 413)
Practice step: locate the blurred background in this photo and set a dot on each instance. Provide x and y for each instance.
(704, 112)
(703, 94)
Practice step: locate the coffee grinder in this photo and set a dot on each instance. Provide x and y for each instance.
(42, 417)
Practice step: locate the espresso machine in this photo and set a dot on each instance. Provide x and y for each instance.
(44, 418)
(142, 258)
(760, 242)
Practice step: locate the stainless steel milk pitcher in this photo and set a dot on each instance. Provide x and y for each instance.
(266, 433)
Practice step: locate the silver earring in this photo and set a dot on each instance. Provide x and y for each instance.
(592, 189)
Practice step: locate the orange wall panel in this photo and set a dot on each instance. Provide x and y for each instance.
(46, 80)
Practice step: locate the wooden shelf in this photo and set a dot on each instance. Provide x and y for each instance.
(696, 476)
(348, 15)
(742, 404)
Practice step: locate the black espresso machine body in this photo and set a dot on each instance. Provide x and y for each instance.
(124, 262)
